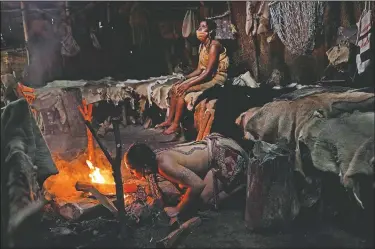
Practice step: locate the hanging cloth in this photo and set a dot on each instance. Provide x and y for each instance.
(225, 30)
(189, 25)
(363, 40)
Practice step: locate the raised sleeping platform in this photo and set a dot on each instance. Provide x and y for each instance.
(143, 102)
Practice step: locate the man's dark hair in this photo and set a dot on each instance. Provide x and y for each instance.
(139, 155)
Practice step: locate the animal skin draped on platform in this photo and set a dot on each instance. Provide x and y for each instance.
(115, 90)
(26, 163)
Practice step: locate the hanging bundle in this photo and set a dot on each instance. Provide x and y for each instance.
(225, 30)
(296, 23)
(69, 46)
(338, 54)
(363, 40)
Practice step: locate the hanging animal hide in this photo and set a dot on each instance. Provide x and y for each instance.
(257, 17)
(250, 9)
(189, 26)
(26, 163)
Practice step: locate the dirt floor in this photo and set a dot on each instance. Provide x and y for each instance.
(225, 228)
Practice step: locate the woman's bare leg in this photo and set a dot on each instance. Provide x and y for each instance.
(179, 109)
(172, 110)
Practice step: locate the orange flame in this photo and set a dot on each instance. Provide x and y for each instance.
(95, 175)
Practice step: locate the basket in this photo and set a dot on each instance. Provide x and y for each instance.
(13, 60)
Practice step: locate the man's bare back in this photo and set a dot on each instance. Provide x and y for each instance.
(194, 157)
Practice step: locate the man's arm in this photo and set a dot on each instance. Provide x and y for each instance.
(183, 176)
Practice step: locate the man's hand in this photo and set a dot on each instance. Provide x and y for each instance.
(181, 89)
(171, 211)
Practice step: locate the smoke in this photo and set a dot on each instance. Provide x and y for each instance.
(44, 50)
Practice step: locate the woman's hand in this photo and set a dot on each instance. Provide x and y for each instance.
(178, 83)
(171, 211)
(181, 89)
(175, 85)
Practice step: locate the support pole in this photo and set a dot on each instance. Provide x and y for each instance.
(116, 169)
(86, 111)
(257, 55)
(25, 29)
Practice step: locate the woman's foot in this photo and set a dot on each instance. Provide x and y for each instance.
(172, 129)
(164, 124)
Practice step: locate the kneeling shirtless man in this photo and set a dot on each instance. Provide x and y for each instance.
(211, 169)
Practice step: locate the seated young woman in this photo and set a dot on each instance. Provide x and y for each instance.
(212, 69)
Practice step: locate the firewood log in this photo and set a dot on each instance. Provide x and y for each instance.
(100, 197)
(104, 189)
(75, 210)
(176, 236)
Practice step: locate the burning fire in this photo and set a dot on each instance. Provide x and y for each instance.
(81, 169)
(95, 175)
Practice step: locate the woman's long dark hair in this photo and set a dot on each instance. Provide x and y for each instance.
(211, 25)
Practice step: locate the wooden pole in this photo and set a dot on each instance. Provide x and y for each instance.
(67, 11)
(257, 55)
(25, 29)
(108, 12)
(116, 168)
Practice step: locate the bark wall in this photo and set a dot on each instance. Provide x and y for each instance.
(305, 69)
